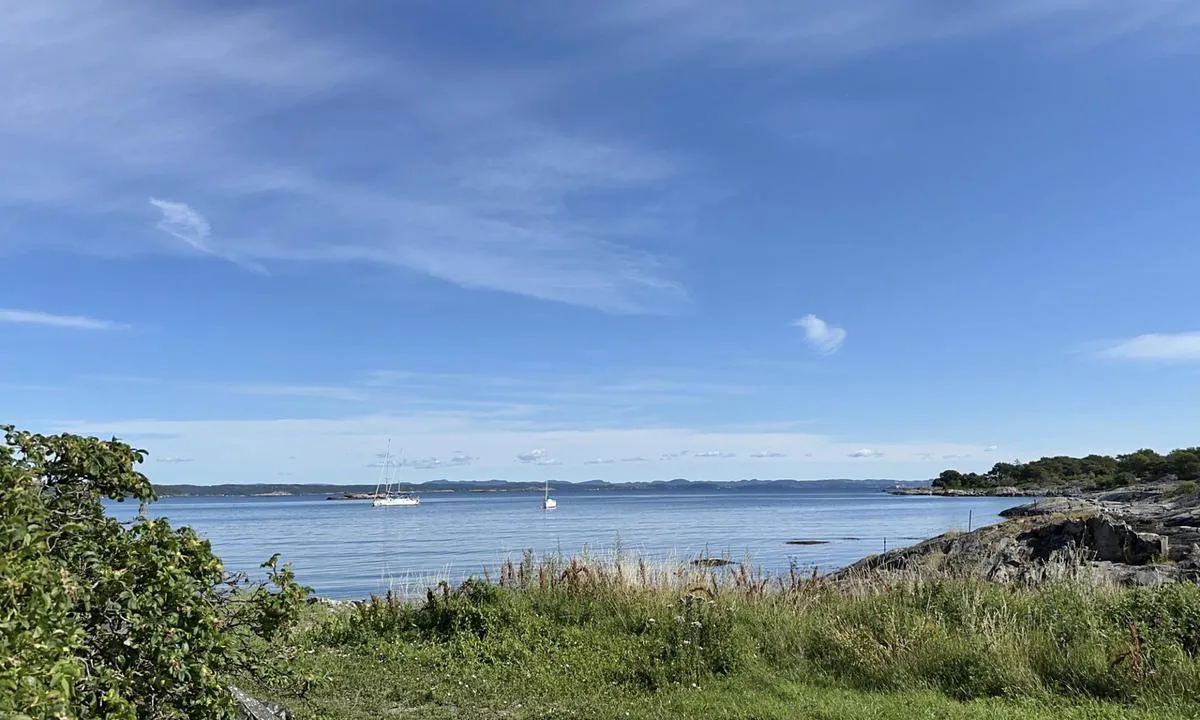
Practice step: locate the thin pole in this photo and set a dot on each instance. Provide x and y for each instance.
(969, 511)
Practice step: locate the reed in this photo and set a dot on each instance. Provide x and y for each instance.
(621, 631)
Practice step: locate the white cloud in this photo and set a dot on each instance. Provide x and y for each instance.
(956, 456)
(430, 463)
(532, 456)
(865, 453)
(824, 338)
(991, 448)
(633, 459)
(181, 221)
(244, 450)
(460, 459)
(115, 104)
(77, 322)
(715, 454)
(599, 461)
(768, 455)
(1180, 347)
(173, 460)
(537, 457)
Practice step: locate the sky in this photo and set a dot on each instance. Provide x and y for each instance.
(631, 240)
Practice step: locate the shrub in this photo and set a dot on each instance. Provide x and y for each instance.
(102, 620)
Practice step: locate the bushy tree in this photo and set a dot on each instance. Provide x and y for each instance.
(104, 619)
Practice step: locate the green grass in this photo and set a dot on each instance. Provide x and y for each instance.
(589, 641)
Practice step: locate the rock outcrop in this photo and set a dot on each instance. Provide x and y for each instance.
(1036, 547)
(250, 708)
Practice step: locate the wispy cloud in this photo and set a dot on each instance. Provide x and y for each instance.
(865, 453)
(820, 335)
(768, 454)
(633, 459)
(458, 459)
(1179, 347)
(991, 448)
(173, 460)
(810, 33)
(715, 454)
(956, 456)
(536, 457)
(343, 447)
(599, 461)
(181, 221)
(326, 392)
(493, 193)
(75, 322)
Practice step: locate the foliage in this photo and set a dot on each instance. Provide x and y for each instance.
(1100, 472)
(623, 643)
(100, 619)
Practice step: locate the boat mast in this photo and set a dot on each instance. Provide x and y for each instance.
(399, 462)
(387, 460)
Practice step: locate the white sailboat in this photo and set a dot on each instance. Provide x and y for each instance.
(548, 503)
(388, 498)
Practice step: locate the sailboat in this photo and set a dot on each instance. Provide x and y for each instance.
(388, 498)
(548, 503)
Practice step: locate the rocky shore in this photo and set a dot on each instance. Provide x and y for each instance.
(1145, 535)
(989, 492)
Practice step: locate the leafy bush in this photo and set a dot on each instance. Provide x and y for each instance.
(100, 619)
(1099, 472)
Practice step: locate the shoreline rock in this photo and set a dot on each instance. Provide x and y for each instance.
(1141, 535)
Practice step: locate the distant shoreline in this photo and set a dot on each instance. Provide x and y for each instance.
(353, 492)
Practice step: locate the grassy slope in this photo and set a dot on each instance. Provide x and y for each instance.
(589, 647)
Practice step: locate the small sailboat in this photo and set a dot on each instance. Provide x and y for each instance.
(388, 498)
(548, 503)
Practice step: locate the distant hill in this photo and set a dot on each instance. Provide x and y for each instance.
(464, 486)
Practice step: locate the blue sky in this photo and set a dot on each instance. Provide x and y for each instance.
(626, 240)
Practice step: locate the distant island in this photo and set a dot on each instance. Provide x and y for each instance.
(354, 492)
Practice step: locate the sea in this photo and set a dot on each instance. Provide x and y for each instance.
(347, 549)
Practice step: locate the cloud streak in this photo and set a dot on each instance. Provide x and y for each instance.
(811, 33)
(1165, 348)
(74, 322)
(824, 338)
(537, 457)
(492, 194)
(865, 453)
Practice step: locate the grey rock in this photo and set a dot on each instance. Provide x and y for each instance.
(250, 708)
(1052, 506)
(1111, 573)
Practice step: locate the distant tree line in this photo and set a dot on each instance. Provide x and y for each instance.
(1098, 472)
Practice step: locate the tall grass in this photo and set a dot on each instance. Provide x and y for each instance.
(626, 624)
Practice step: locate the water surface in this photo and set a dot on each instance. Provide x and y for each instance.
(348, 549)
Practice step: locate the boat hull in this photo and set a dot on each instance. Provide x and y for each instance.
(396, 502)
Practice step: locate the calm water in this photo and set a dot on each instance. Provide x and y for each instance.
(349, 549)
